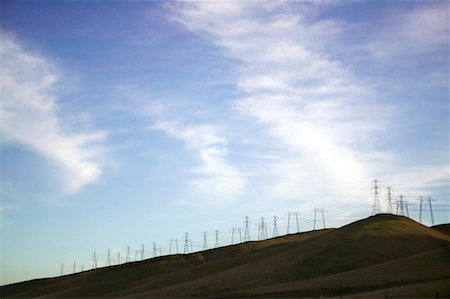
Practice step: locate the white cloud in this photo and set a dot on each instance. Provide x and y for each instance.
(29, 113)
(297, 94)
(309, 105)
(215, 175)
(411, 32)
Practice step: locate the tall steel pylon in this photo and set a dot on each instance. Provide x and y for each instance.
(322, 211)
(205, 242)
(275, 229)
(262, 230)
(175, 245)
(246, 229)
(216, 243)
(401, 205)
(295, 214)
(186, 243)
(389, 200)
(421, 200)
(376, 208)
(431, 209)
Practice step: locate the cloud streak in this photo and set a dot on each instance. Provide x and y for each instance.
(321, 116)
(305, 101)
(29, 114)
(215, 175)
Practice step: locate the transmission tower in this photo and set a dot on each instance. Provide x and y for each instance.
(322, 211)
(246, 229)
(431, 209)
(262, 230)
(74, 267)
(275, 229)
(205, 242)
(376, 200)
(296, 214)
(118, 258)
(421, 200)
(142, 252)
(135, 255)
(186, 243)
(127, 259)
(175, 243)
(62, 269)
(94, 261)
(216, 244)
(389, 200)
(401, 205)
(315, 217)
(82, 268)
(108, 260)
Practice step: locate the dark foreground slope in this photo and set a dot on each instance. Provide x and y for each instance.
(380, 255)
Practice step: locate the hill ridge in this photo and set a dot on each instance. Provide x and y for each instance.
(235, 270)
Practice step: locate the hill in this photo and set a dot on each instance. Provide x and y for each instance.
(379, 255)
(443, 228)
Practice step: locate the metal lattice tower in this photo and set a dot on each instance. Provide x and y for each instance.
(289, 213)
(186, 243)
(246, 229)
(154, 249)
(315, 217)
(74, 267)
(108, 259)
(127, 258)
(401, 206)
(175, 242)
(62, 269)
(205, 242)
(118, 257)
(389, 200)
(431, 209)
(262, 230)
(421, 200)
(296, 214)
(142, 252)
(376, 200)
(322, 211)
(216, 244)
(94, 261)
(275, 229)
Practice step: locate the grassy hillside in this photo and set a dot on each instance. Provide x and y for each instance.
(443, 228)
(378, 255)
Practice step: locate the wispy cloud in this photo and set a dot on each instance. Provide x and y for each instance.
(215, 175)
(30, 116)
(313, 107)
(307, 102)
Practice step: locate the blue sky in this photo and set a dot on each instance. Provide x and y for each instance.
(128, 123)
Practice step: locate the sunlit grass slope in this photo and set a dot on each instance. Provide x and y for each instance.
(371, 257)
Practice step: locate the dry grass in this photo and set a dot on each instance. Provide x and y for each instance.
(384, 253)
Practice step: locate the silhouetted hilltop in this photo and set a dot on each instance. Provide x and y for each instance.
(379, 255)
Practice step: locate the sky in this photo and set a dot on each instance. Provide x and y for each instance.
(129, 123)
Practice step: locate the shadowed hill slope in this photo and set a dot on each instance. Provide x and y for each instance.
(443, 228)
(383, 253)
